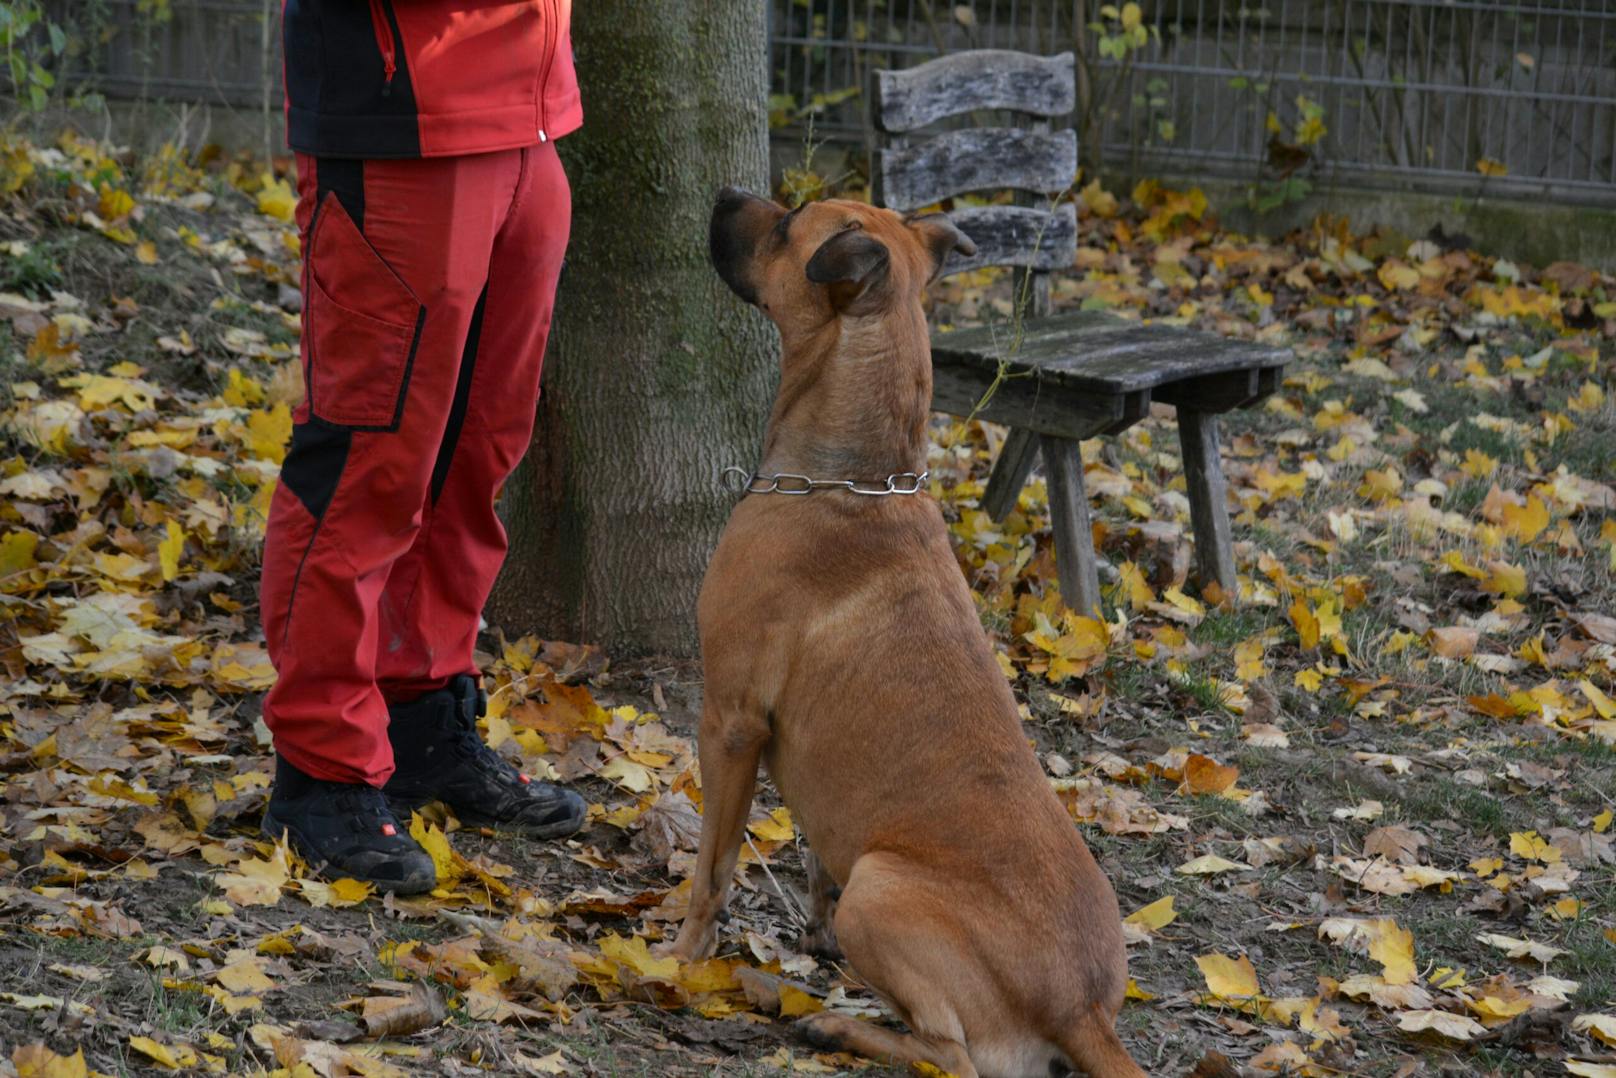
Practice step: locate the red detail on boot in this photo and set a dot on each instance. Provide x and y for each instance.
(389, 830)
(525, 780)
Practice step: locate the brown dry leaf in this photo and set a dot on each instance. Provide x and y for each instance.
(399, 1016)
(1453, 642)
(1203, 775)
(1394, 843)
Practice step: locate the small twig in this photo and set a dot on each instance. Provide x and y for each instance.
(790, 903)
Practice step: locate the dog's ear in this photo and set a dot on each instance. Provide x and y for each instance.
(854, 265)
(940, 236)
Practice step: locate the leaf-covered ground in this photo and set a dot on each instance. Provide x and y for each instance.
(1361, 820)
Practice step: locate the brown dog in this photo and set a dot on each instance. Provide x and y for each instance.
(841, 645)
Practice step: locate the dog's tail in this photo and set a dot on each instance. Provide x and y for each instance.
(1094, 1047)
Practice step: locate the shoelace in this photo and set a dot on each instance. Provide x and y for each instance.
(366, 801)
(469, 744)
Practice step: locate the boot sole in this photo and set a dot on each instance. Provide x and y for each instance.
(274, 828)
(563, 828)
(553, 830)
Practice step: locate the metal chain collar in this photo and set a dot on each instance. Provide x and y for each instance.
(791, 483)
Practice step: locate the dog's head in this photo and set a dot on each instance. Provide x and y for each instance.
(826, 260)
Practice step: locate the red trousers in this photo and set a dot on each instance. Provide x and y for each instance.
(428, 285)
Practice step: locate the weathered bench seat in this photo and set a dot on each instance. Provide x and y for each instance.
(1054, 380)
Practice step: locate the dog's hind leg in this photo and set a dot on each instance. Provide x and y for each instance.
(731, 742)
(819, 936)
(900, 941)
(844, 1033)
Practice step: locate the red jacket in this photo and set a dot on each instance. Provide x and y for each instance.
(427, 78)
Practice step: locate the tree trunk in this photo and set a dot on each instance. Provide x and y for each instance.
(656, 377)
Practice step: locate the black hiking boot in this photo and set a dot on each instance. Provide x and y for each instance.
(439, 756)
(346, 829)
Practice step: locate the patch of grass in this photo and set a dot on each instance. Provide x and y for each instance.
(1211, 810)
(33, 273)
(1230, 627)
(175, 1011)
(1479, 810)
(1593, 957)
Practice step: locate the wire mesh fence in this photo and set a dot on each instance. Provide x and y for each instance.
(1464, 96)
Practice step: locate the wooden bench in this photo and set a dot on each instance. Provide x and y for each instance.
(1054, 380)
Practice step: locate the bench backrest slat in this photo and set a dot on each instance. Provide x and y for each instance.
(969, 81)
(975, 159)
(1015, 236)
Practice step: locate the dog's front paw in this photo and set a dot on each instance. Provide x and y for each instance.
(826, 1030)
(692, 944)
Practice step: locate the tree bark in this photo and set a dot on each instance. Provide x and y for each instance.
(656, 376)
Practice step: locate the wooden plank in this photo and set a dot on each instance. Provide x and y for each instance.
(1069, 518)
(1021, 402)
(1016, 457)
(1097, 352)
(968, 81)
(1135, 406)
(1213, 392)
(975, 159)
(1016, 236)
(1209, 500)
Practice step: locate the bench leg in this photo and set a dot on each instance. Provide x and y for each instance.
(1016, 457)
(1209, 500)
(1069, 513)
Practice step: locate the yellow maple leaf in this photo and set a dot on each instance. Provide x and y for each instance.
(277, 199)
(17, 550)
(38, 1061)
(1601, 1027)
(169, 1057)
(635, 954)
(776, 827)
(169, 550)
(267, 433)
(1381, 484)
(1524, 523)
(114, 203)
(1478, 465)
(1228, 978)
(794, 1002)
(1393, 948)
(1154, 917)
(432, 839)
(1533, 847)
(1505, 579)
(258, 881)
(1396, 276)
(1248, 659)
(1603, 704)
(1307, 624)
(1133, 587)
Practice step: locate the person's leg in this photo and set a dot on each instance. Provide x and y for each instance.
(434, 597)
(395, 256)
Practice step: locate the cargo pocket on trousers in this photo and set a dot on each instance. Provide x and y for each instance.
(363, 327)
